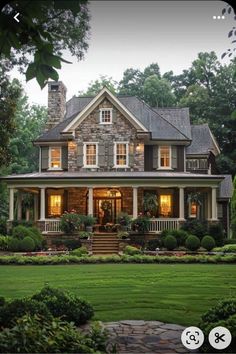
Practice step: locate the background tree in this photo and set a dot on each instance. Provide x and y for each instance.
(46, 28)
(95, 86)
(157, 92)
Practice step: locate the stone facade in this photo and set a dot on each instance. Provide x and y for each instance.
(119, 131)
(77, 198)
(56, 104)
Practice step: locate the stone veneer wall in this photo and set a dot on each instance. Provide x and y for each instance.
(56, 104)
(77, 199)
(91, 131)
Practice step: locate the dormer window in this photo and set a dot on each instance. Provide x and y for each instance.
(106, 116)
(55, 158)
(165, 157)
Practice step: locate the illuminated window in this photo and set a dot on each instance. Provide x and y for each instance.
(55, 158)
(121, 154)
(165, 158)
(106, 115)
(55, 205)
(165, 205)
(90, 154)
(193, 210)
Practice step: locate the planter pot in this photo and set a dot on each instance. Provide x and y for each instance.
(89, 228)
(124, 228)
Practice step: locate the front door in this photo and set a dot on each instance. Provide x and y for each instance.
(107, 209)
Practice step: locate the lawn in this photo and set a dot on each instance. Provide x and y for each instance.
(172, 293)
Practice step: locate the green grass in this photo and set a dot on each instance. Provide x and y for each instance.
(175, 293)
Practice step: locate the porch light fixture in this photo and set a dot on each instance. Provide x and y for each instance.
(138, 147)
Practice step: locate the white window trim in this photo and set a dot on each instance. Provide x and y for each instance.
(84, 154)
(50, 160)
(100, 115)
(115, 154)
(159, 158)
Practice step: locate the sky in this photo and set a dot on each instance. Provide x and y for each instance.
(135, 34)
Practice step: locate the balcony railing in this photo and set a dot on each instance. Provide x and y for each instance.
(158, 225)
(52, 225)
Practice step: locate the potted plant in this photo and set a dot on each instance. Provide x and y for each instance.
(85, 235)
(124, 220)
(70, 222)
(150, 203)
(123, 235)
(141, 223)
(89, 221)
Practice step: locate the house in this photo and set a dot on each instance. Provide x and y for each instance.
(106, 152)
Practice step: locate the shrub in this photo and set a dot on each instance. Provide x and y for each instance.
(36, 236)
(123, 219)
(79, 252)
(230, 241)
(2, 301)
(32, 335)
(14, 244)
(66, 304)
(170, 242)
(130, 250)
(208, 243)
(71, 244)
(27, 244)
(89, 220)
(12, 310)
(85, 235)
(226, 249)
(22, 223)
(195, 227)
(141, 223)
(123, 235)
(4, 242)
(180, 236)
(152, 245)
(223, 314)
(3, 226)
(70, 222)
(21, 232)
(192, 243)
(216, 231)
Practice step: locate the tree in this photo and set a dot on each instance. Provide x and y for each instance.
(97, 85)
(46, 28)
(132, 83)
(157, 92)
(233, 209)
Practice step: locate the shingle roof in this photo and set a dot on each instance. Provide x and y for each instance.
(226, 187)
(202, 141)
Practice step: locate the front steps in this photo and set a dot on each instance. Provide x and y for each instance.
(105, 243)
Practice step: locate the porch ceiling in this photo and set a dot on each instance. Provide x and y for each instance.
(114, 179)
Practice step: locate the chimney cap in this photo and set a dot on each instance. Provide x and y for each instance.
(56, 86)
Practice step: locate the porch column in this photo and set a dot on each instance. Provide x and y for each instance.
(90, 201)
(36, 207)
(135, 202)
(42, 203)
(181, 203)
(19, 205)
(208, 206)
(213, 204)
(11, 205)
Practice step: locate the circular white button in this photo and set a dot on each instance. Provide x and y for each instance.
(192, 337)
(219, 337)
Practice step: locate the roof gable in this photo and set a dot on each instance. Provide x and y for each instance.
(203, 141)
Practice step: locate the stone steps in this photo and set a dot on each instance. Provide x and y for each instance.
(104, 244)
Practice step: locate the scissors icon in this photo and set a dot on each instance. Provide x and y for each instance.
(219, 338)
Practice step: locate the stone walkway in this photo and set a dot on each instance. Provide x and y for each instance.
(144, 337)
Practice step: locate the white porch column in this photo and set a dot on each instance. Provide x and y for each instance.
(209, 206)
(181, 203)
(90, 201)
(36, 207)
(11, 205)
(42, 203)
(213, 204)
(135, 202)
(19, 205)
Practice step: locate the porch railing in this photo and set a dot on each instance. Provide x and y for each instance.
(158, 225)
(52, 225)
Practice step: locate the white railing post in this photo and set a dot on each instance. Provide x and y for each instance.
(158, 225)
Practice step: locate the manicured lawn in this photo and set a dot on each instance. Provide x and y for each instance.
(173, 293)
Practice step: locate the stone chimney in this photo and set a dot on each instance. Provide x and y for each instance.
(56, 103)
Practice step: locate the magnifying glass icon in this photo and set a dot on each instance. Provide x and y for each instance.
(192, 337)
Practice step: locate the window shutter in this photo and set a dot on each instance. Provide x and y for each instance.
(64, 157)
(111, 155)
(174, 157)
(101, 155)
(155, 156)
(114, 115)
(97, 114)
(131, 154)
(44, 157)
(80, 155)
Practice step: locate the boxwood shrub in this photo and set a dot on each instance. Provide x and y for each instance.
(170, 242)
(27, 244)
(192, 243)
(208, 243)
(66, 304)
(131, 250)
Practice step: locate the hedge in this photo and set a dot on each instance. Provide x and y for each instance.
(48, 260)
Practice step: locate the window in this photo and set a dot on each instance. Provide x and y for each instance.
(121, 154)
(55, 205)
(106, 115)
(90, 154)
(55, 158)
(193, 210)
(164, 157)
(195, 164)
(165, 205)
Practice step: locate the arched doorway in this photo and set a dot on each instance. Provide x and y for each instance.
(106, 204)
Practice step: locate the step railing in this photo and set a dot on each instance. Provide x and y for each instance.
(160, 224)
(52, 225)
